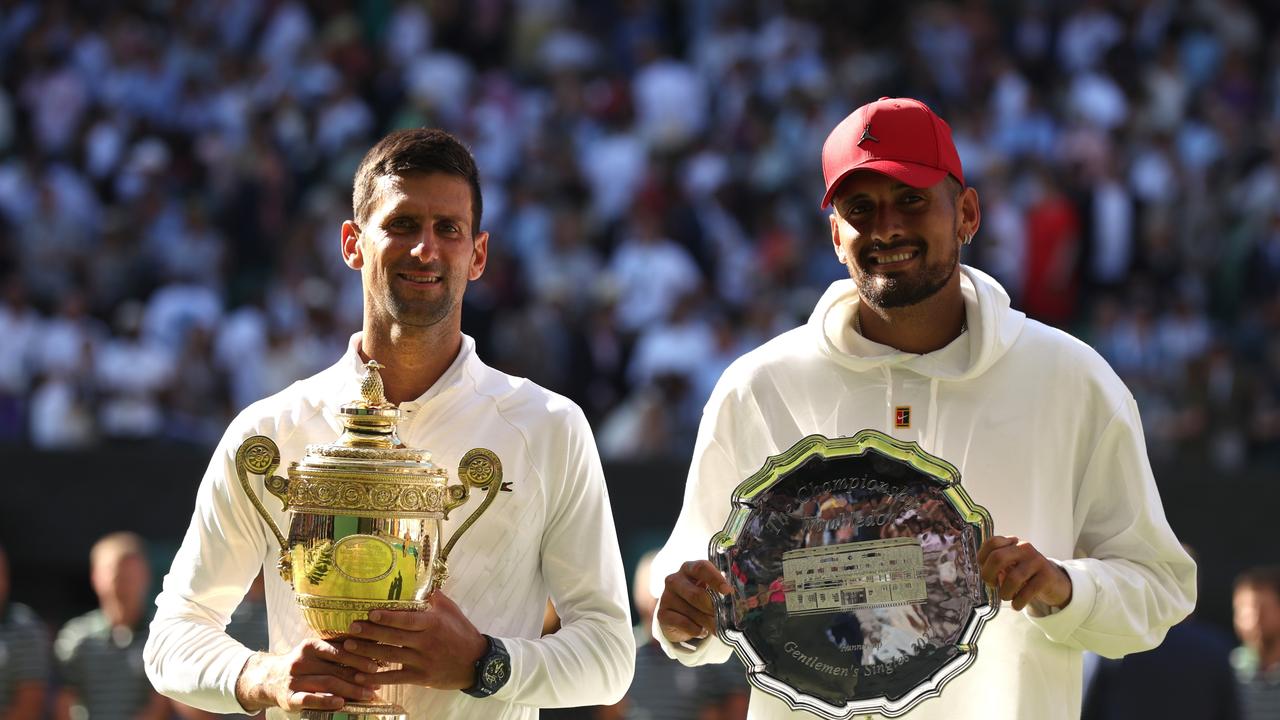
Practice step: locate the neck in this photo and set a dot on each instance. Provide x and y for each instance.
(414, 358)
(922, 328)
(119, 616)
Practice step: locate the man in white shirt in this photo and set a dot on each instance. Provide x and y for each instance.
(549, 534)
(922, 348)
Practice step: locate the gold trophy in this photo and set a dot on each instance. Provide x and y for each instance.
(367, 516)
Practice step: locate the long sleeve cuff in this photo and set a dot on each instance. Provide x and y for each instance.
(1059, 626)
(700, 652)
(582, 664)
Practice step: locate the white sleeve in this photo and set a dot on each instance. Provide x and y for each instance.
(1132, 580)
(590, 660)
(189, 656)
(713, 475)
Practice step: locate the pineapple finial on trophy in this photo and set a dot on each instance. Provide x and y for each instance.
(371, 388)
(371, 420)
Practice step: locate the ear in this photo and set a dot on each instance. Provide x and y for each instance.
(479, 256)
(970, 211)
(351, 252)
(835, 238)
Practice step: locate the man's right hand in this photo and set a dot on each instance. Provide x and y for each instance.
(685, 610)
(315, 675)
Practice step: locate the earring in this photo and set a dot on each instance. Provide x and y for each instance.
(968, 238)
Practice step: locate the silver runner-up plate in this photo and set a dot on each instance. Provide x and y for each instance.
(855, 576)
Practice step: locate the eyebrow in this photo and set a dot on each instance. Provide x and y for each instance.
(895, 187)
(410, 210)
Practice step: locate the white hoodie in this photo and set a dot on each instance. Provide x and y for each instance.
(1046, 437)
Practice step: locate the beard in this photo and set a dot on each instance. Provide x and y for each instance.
(902, 289)
(421, 311)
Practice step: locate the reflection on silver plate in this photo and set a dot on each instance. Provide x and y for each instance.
(856, 585)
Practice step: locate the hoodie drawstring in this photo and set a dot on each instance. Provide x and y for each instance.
(888, 399)
(931, 433)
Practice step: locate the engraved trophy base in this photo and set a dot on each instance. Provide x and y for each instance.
(359, 711)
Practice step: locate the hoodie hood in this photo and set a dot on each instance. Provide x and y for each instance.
(993, 328)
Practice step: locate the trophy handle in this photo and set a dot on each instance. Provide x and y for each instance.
(260, 455)
(481, 469)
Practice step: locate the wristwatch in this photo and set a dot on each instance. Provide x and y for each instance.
(493, 669)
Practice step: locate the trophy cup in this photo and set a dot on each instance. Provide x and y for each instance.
(366, 522)
(855, 581)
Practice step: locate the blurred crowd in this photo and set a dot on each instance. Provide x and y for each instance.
(173, 174)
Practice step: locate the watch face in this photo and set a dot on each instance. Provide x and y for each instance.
(495, 672)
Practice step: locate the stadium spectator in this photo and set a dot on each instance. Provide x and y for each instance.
(100, 653)
(188, 159)
(1257, 660)
(24, 656)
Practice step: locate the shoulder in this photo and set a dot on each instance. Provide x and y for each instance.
(77, 631)
(19, 618)
(789, 353)
(524, 404)
(783, 351)
(279, 415)
(1069, 363)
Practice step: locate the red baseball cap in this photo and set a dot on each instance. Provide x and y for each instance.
(899, 137)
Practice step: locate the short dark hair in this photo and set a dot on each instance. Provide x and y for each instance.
(956, 186)
(417, 150)
(1263, 577)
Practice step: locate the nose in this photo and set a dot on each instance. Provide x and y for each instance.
(427, 246)
(886, 224)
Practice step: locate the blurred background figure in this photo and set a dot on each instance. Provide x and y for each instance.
(24, 656)
(663, 689)
(1188, 677)
(100, 652)
(1257, 660)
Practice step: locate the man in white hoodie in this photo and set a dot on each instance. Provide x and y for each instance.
(918, 346)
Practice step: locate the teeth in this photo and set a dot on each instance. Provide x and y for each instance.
(898, 257)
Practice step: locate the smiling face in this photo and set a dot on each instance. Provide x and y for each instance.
(900, 243)
(416, 251)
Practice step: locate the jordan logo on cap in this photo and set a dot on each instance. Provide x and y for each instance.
(866, 135)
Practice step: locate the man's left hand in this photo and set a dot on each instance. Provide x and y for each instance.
(437, 647)
(1021, 574)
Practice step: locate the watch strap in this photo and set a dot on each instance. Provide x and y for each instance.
(493, 669)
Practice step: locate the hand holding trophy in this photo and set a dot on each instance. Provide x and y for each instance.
(365, 534)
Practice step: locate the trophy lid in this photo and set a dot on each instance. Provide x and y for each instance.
(369, 431)
(371, 420)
